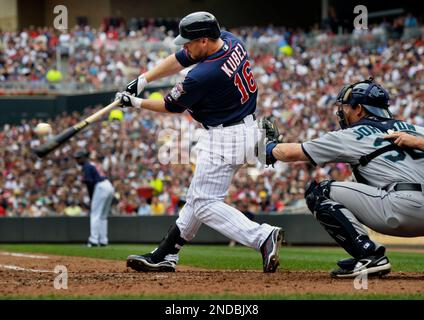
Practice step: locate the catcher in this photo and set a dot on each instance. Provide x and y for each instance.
(388, 196)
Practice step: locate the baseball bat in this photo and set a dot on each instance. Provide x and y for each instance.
(68, 133)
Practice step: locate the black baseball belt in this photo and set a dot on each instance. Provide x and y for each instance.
(403, 186)
(234, 123)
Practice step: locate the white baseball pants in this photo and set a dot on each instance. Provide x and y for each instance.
(221, 152)
(395, 213)
(99, 211)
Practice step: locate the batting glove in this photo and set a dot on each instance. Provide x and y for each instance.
(136, 86)
(127, 100)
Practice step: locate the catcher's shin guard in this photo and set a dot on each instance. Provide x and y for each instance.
(330, 216)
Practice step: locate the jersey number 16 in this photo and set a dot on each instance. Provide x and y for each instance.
(249, 80)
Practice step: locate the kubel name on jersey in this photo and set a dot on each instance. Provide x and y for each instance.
(232, 63)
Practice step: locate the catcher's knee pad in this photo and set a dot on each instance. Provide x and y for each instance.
(317, 193)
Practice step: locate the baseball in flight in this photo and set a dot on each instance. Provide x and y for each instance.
(43, 129)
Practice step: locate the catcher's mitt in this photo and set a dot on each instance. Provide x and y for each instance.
(272, 135)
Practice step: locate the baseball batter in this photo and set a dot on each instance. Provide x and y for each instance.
(219, 92)
(101, 192)
(388, 196)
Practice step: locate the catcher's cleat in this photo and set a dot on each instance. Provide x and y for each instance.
(270, 250)
(371, 266)
(144, 263)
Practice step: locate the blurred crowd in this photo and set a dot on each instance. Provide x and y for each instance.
(298, 83)
(88, 58)
(47, 61)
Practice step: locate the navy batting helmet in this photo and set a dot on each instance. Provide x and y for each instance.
(197, 25)
(370, 95)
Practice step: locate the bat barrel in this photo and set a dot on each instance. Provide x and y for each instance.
(65, 135)
(56, 141)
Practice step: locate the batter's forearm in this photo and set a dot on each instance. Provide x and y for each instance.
(166, 68)
(153, 105)
(127, 100)
(289, 152)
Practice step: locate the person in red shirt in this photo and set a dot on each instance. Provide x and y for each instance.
(2, 211)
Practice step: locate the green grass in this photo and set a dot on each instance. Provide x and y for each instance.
(223, 257)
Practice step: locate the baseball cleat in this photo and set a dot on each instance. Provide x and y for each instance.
(144, 263)
(92, 244)
(371, 266)
(270, 250)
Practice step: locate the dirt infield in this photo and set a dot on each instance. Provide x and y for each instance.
(23, 274)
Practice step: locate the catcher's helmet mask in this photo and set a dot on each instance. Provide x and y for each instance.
(367, 93)
(197, 25)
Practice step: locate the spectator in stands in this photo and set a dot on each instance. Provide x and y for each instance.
(73, 209)
(157, 207)
(54, 75)
(144, 208)
(410, 21)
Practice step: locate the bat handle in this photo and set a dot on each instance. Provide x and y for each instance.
(103, 111)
